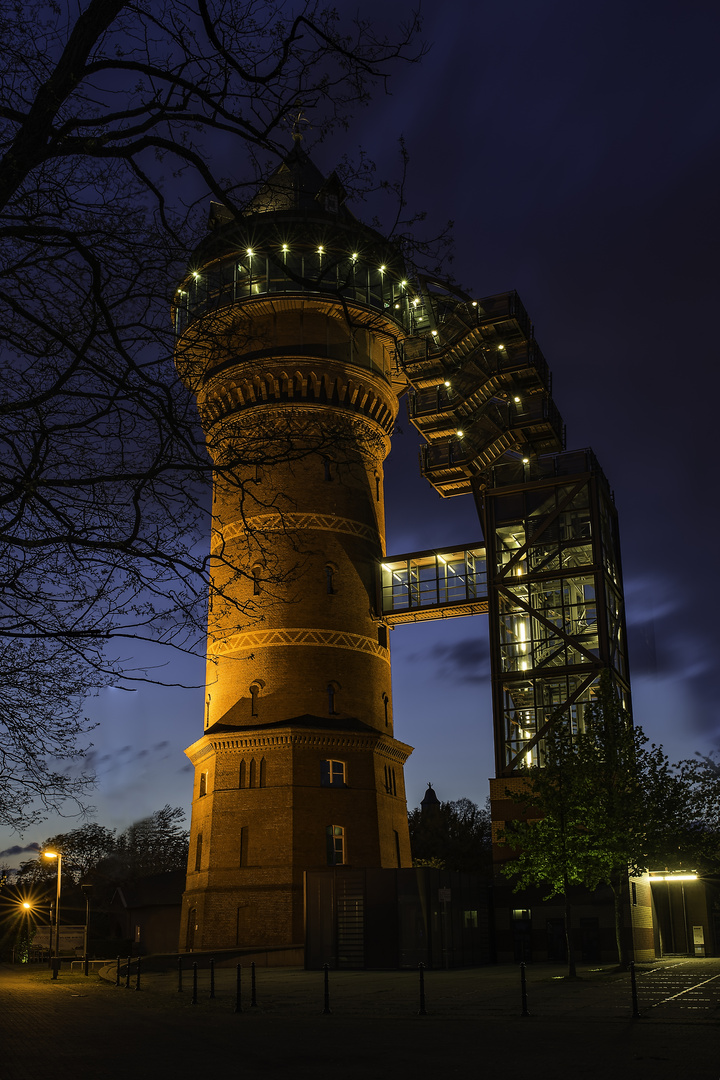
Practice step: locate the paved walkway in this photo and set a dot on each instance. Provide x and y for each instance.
(85, 1028)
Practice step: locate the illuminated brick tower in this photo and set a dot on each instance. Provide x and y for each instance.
(288, 324)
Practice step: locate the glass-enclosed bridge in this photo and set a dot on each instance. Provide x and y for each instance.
(548, 571)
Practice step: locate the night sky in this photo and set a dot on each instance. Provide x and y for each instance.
(576, 147)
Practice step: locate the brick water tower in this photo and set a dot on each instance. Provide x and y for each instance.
(288, 324)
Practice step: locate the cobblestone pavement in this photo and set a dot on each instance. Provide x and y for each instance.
(87, 1028)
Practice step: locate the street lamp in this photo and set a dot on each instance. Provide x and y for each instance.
(87, 889)
(56, 855)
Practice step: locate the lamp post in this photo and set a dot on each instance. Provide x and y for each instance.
(56, 855)
(87, 889)
(26, 910)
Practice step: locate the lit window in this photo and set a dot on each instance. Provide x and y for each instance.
(335, 839)
(332, 773)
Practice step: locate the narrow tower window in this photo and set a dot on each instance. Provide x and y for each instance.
(332, 773)
(255, 699)
(263, 772)
(335, 838)
(198, 852)
(256, 570)
(332, 689)
(242, 779)
(326, 467)
(253, 774)
(329, 578)
(203, 784)
(386, 705)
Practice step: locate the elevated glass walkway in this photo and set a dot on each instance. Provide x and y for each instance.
(424, 585)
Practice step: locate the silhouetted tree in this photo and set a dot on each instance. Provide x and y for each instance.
(113, 119)
(451, 836)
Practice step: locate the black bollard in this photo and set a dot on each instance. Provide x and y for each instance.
(633, 987)
(421, 1010)
(86, 965)
(179, 989)
(253, 999)
(194, 993)
(523, 990)
(326, 1008)
(212, 978)
(127, 973)
(137, 975)
(117, 973)
(238, 1003)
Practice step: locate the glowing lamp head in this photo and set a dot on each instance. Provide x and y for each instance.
(51, 854)
(460, 434)
(26, 905)
(516, 398)
(250, 252)
(434, 333)
(447, 382)
(526, 461)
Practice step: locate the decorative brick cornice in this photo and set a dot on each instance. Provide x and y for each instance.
(325, 639)
(241, 742)
(291, 523)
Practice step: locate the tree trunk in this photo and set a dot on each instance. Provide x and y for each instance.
(618, 884)
(572, 971)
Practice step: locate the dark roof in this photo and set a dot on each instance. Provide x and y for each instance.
(429, 799)
(307, 720)
(155, 890)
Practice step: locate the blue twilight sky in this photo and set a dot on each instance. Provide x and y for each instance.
(576, 146)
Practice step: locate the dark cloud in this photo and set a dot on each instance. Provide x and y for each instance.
(467, 660)
(17, 850)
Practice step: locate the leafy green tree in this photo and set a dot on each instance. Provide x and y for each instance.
(602, 806)
(451, 836)
(701, 847)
